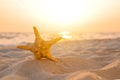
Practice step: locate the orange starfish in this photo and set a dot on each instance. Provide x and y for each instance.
(40, 48)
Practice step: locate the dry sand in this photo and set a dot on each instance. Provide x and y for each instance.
(96, 65)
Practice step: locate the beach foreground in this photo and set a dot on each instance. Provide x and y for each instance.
(99, 62)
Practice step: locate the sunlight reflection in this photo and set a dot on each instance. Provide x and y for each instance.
(65, 35)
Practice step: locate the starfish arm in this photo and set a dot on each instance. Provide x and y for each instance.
(38, 39)
(51, 42)
(50, 57)
(24, 47)
(37, 36)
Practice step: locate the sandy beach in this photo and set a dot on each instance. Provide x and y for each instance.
(77, 60)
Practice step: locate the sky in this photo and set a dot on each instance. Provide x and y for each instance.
(60, 15)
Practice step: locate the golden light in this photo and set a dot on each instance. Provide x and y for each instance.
(58, 15)
(63, 12)
(65, 35)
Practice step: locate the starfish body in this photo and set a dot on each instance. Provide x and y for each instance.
(40, 48)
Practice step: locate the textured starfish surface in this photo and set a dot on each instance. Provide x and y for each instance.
(40, 47)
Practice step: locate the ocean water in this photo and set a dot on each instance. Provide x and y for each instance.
(10, 38)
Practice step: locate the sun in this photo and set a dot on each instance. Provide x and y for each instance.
(60, 11)
(63, 11)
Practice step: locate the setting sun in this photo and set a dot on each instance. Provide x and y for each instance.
(62, 11)
(67, 12)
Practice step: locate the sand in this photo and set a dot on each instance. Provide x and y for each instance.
(102, 64)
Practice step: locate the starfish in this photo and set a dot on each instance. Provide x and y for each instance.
(40, 48)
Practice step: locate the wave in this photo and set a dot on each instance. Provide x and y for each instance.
(22, 38)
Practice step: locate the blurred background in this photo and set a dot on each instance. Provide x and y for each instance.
(60, 15)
